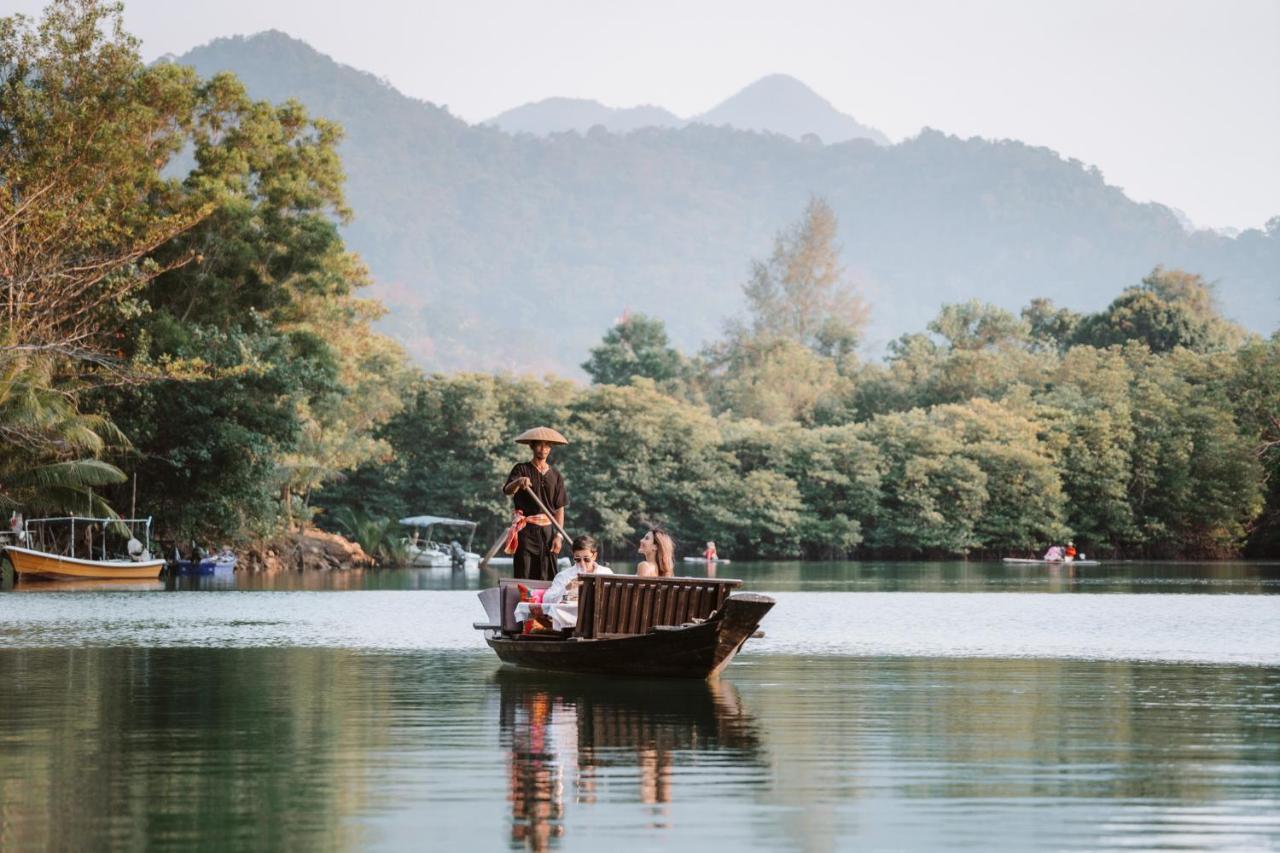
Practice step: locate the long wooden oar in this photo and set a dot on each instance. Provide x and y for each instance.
(547, 513)
(502, 537)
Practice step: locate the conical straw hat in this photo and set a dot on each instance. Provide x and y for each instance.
(546, 434)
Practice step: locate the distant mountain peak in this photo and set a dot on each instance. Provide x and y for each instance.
(776, 103)
(779, 103)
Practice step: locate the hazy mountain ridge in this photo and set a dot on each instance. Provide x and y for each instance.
(466, 227)
(773, 104)
(557, 115)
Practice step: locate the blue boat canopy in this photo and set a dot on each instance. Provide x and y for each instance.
(428, 520)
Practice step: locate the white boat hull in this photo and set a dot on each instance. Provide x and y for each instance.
(1023, 561)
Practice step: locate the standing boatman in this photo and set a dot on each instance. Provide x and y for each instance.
(533, 540)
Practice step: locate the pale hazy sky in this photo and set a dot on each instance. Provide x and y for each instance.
(1175, 101)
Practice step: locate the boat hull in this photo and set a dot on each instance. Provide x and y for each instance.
(27, 561)
(1027, 562)
(207, 566)
(695, 651)
(720, 560)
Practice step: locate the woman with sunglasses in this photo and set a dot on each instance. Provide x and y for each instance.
(564, 589)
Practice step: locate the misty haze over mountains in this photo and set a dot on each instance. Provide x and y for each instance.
(774, 104)
(501, 251)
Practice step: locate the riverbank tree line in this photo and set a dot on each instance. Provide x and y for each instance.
(180, 313)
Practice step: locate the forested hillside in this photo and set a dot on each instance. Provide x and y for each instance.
(182, 307)
(499, 251)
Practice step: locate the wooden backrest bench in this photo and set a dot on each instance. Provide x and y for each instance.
(624, 605)
(612, 606)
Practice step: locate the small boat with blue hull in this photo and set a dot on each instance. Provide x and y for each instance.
(218, 564)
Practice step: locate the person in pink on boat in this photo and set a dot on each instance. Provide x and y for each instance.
(560, 600)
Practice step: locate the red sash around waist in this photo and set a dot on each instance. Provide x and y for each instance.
(518, 524)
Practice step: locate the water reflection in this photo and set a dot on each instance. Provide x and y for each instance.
(328, 748)
(563, 734)
(89, 585)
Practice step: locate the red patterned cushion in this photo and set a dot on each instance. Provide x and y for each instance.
(534, 596)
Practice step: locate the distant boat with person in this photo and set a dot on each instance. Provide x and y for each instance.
(1057, 555)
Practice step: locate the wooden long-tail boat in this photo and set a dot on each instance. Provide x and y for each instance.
(671, 627)
(49, 561)
(28, 561)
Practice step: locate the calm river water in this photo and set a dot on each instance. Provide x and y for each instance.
(890, 707)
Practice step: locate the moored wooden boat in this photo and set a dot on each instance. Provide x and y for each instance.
(50, 548)
(28, 561)
(669, 627)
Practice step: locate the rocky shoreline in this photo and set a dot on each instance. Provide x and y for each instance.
(303, 550)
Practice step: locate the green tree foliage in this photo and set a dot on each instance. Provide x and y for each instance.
(83, 129)
(642, 457)
(636, 347)
(285, 380)
(381, 538)
(932, 494)
(981, 435)
(1025, 505)
(1196, 483)
(976, 350)
(49, 450)
(206, 450)
(1171, 308)
(802, 293)
(1255, 392)
(1049, 326)
(450, 449)
(171, 245)
(834, 474)
(1088, 413)
(806, 316)
(773, 380)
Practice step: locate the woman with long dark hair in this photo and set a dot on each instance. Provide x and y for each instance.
(659, 553)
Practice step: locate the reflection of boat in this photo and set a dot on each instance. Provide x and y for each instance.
(705, 560)
(425, 551)
(52, 549)
(563, 732)
(620, 712)
(627, 625)
(43, 584)
(1022, 561)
